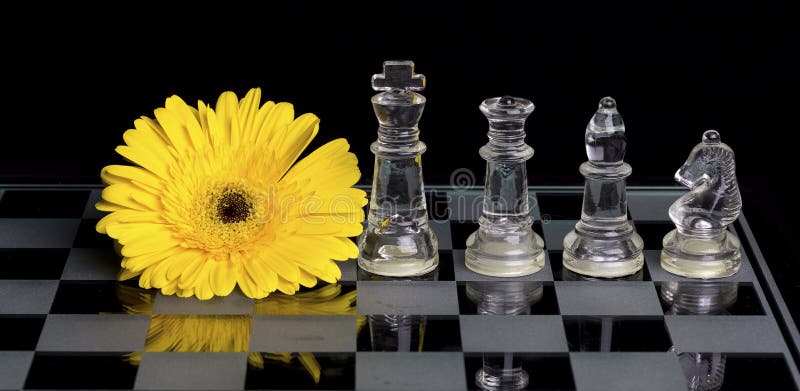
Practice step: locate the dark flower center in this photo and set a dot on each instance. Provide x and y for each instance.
(233, 207)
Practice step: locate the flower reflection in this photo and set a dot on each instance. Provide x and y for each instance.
(231, 333)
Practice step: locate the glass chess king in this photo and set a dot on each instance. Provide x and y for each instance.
(398, 241)
(604, 243)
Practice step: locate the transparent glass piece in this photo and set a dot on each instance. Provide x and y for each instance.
(503, 371)
(398, 240)
(703, 371)
(700, 246)
(397, 333)
(603, 243)
(505, 245)
(504, 297)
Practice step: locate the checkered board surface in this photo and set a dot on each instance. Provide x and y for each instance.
(68, 324)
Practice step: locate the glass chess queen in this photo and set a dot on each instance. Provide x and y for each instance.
(505, 245)
(701, 246)
(398, 241)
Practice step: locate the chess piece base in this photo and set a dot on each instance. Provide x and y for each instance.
(716, 256)
(503, 254)
(495, 377)
(393, 252)
(604, 254)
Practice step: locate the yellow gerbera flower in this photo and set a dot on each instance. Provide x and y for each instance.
(216, 201)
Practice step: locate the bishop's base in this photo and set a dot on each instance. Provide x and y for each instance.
(504, 254)
(693, 257)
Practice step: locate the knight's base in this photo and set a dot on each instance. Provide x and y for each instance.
(701, 257)
(504, 255)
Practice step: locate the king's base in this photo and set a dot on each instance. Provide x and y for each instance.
(705, 258)
(399, 267)
(604, 269)
(398, 250)
(504, 255)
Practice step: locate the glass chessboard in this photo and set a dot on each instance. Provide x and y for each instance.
(67, 323)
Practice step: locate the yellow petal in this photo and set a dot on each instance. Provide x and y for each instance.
(223, 278)
(287, 287)
(306, 278)
(119, 173)
(276, 122)
(261, 274)
(281, 265)
(297, 137)
(177, 134)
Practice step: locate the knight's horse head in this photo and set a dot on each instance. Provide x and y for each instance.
(704, 162)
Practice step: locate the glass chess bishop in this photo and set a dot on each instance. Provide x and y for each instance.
(701, 246)
(604, 243)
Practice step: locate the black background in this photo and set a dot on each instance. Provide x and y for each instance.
(78, 78)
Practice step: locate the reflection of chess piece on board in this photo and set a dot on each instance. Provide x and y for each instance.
(398, 240)
(569, 275)
(505, 245)
(504, 297)
(603, 243)
(701, 246)
(503, 371)
(397, 333)
(703, 371)
(699, 297)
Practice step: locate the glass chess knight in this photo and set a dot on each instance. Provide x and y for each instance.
(604, 243)
(701, 246)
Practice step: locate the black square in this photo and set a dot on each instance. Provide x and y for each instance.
(616, 334)
(81, 370)
(446, 266)
(404, 333)
(708, 298)
(32, 263)
(437, 204)
(545, 371)
(337, 372)
(560, 206)
(756, 372)
(88, 236)
(537, 227)
(89, 297)
(20, 332)
(653, 233)
(460, 231)
(44, 203)
(562, 274)
(507, 298)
